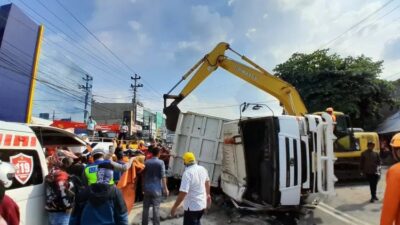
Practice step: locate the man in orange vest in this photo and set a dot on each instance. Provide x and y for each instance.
(329, 110)
(391, 202)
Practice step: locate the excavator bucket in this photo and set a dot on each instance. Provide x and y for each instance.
(172, 113)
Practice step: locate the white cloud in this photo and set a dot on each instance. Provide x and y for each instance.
(162, 39)
(288, 5)
(189, 45)
(250, 32)
(135, 25)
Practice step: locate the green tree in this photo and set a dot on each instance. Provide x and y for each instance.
(350, 84)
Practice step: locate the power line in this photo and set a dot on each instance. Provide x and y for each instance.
(62, 47)
(229, 106)
(356, 24)
(93, 35)
(389, 12)
(50, 85)
(76, 33)
(100, 96)
(58, 45)
(74, 41)
(104, 45)
(381, 17)
(157, 94)
(14, 56)
(393, 75)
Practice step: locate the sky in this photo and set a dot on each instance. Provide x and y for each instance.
(160, 40)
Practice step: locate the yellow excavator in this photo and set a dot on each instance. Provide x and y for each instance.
(349, 144)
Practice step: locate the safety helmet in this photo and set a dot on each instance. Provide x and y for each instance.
(329, 109)
(7, 173)
(188, 158)
(395, 142)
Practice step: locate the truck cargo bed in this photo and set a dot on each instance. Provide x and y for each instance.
(202, 135)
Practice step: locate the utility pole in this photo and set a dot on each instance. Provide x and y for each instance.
(134, 87)
(88, 90)
(150, 122)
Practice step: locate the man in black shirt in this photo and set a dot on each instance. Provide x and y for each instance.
(370, 166)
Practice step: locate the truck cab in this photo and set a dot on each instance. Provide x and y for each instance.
(271, 162)
(23, 146)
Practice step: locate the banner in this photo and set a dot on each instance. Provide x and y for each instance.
(139, 113)
(19, 37)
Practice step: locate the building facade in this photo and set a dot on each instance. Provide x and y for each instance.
(148, 124)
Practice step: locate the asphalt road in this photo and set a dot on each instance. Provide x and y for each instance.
(350, 205)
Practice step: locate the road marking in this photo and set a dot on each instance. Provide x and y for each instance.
(340, 215)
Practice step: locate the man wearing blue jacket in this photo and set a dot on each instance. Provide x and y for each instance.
(100, 203)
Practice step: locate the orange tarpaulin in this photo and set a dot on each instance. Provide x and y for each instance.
(127, 183)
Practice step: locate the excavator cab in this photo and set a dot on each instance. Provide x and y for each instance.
(346, 141)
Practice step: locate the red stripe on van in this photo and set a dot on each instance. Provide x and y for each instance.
(1, 138)
(33, 141)
(18, 140)
(7, 140)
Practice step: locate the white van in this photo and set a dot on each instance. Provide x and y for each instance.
(23, 146)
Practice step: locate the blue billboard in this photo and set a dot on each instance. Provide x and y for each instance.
(19, 42)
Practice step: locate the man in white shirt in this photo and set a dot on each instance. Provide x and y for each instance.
(91, 126)
(194, 191)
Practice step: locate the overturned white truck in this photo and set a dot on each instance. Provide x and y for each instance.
(260, 163)
(266, 162)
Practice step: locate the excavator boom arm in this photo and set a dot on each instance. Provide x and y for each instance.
(283, 91)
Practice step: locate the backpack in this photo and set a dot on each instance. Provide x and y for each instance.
(59, 191)
(78, 184)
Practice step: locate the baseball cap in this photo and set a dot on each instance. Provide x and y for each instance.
(188, 158)
(371, 142)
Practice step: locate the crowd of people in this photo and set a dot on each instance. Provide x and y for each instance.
(100, 188)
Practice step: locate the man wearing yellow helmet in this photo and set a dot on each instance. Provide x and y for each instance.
(194, 191)
(391, 202)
